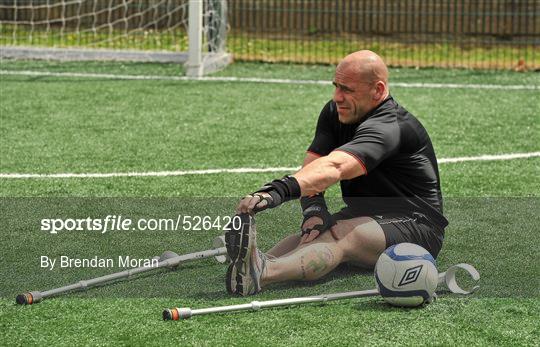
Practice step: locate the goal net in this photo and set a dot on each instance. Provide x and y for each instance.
(192, 32)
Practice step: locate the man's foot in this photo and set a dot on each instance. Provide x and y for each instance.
(230, 279)
(250, 282)
(248, 263)
(237, 236)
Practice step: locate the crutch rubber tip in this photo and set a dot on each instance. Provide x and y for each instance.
(29, 298)
(170, 314)
(24, 299)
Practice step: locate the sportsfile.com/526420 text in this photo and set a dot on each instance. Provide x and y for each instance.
(112, 223)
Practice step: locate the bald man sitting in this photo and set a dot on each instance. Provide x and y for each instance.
(385, 163)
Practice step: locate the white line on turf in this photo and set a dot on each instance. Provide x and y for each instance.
(261, 80)
(242, 170)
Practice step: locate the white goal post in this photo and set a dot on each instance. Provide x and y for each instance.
(192, 32)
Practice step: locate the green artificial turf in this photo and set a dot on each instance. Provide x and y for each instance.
(97, 125)
(450, 321)
(275, 70)
(66, 124)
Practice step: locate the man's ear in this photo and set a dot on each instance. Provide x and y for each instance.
(380, 89)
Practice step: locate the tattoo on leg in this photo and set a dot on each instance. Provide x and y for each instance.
(317, 265)
(324, 258)
(302, 267)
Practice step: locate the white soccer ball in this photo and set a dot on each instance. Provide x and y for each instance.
(406, 275)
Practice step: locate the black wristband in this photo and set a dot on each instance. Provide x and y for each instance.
(313, 200)
(292, 190)
(281, 190)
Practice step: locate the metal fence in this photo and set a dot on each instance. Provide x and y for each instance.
(489, 34)
(492, 34)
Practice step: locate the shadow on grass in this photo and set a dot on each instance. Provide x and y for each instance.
(286, 289)
(342, 272)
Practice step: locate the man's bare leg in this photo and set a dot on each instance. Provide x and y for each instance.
(361, 241)
(286, 245)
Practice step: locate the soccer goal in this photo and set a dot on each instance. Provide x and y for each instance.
(192, 32)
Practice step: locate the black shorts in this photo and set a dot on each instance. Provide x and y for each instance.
(400, 227)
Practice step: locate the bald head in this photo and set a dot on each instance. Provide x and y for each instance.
(366, 65)
(361, 82)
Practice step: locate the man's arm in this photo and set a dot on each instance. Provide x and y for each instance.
(314, 209)
(317, 218)
(313, 178)
(310, 157)
(319, 174)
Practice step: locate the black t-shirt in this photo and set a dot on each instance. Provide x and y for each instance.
(397, 154)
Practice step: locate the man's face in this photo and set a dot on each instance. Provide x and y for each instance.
(353, 96)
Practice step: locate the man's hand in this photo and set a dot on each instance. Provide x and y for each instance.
(316, 221)
(270, 195)
(308, 224)
(254, 203)
(308, 237)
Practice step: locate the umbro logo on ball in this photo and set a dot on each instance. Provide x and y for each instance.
(410, 275)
